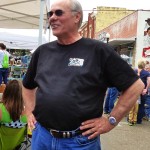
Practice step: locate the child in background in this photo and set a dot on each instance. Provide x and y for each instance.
(132, 118)
(12, 116)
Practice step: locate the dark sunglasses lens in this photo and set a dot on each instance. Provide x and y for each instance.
(58, 12)
(49, 14)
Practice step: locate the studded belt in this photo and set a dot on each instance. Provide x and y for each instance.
(65, 134)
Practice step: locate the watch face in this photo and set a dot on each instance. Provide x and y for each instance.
(112, 120)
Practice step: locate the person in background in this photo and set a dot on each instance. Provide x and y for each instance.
(132, 117)
(66, 82)
(2, 88)
(4, 72)
(146, 49)
(12, 116)
(111, 98)
(147, 62)
(145, 77)
(147, 101)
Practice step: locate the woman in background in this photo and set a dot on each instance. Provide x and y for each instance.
(12, 116)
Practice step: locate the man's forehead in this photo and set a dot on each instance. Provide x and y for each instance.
(60, 3)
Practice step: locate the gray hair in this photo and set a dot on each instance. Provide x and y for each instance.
(76, 6)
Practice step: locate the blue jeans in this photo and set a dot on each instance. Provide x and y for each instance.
(110, 99)
(147, 106)
(141, 110)
(4, 75)
(43, 140)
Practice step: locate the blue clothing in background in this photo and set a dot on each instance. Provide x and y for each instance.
(141, 111)
(110, 99)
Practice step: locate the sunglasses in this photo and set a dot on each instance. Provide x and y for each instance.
(57, 12)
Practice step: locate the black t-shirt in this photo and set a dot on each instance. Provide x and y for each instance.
(72, 81)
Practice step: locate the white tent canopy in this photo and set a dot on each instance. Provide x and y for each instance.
(14, 41)
(24, 14)
(21, 14)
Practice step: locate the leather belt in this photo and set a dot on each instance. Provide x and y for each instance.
(65, 134)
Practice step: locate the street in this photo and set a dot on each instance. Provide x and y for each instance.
(125, 137)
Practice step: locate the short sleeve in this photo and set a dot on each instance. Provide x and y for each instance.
(118, 73)
(29, 79)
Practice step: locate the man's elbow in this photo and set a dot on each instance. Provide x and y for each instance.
(140, 85)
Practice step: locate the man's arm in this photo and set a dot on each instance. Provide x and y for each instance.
(148, 83)
(126, 101)
(29, 102)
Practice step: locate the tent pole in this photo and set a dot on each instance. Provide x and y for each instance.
(41, 22)
(48, 9)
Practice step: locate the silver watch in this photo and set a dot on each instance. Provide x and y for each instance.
(112, 120)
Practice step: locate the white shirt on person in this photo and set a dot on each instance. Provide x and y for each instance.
(2, 52)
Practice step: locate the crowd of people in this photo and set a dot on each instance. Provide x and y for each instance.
(63, 91)
(141, 109)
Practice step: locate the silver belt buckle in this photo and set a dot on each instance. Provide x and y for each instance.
(51, 131)
(66, 135)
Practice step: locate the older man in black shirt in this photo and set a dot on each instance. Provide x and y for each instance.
(69, 77)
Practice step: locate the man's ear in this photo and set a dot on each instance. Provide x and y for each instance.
(77, 17)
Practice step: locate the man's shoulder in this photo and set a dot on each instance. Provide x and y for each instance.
(92, 40)
(47, 45)
(98, 45)
(1, 51)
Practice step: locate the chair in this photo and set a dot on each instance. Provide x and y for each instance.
(27, 141)
(12, 138)
(17, 73)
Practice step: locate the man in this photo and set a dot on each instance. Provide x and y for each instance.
(145, 77)
(147, 101)
(4, 72)
(146, 49)
(65, 85)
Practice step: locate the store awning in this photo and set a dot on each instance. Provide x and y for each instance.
(121, 41)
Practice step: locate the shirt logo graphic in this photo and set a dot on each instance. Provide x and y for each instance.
(76, 62)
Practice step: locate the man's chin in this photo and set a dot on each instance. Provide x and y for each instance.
(56, 33)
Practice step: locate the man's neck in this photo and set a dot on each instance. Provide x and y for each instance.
(68, 40)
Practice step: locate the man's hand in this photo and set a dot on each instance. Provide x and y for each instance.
(31, 121)
(144, 91)
(96, 126)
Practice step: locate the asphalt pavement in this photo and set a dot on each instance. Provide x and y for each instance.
(125, 137)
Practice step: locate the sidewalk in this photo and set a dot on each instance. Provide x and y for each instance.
(125, 137)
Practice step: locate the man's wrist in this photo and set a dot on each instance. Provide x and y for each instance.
(112, 120)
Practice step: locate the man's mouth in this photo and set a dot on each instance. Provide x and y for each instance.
(54, 26)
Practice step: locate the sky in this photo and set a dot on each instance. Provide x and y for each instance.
(88, 6)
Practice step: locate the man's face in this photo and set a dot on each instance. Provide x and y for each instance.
(62, 20)
(148, 32)
(147, 68)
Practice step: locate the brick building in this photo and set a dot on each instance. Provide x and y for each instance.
(127, 36)
(101, 18)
